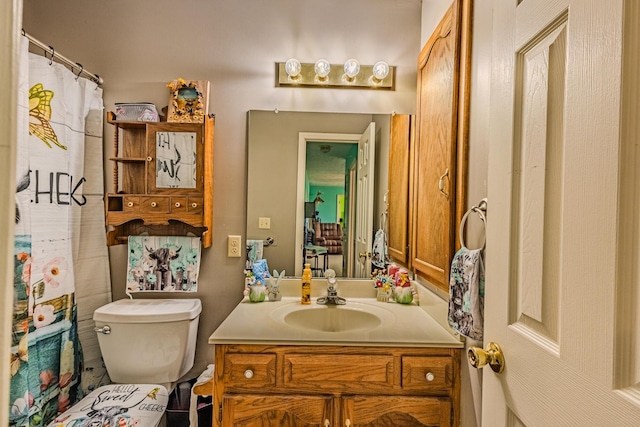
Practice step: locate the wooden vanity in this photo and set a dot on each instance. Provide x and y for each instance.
(405, 372)
(288, 385)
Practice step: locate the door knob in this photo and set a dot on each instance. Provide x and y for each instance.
(492, 356)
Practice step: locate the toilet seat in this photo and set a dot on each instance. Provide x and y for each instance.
(119, 405)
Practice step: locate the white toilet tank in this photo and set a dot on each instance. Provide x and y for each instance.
(149, 341)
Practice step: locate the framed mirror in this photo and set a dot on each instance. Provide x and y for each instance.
(275, 176)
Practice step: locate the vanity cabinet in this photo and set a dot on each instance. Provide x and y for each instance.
(262, 385)
(439, 154)
(162, 180)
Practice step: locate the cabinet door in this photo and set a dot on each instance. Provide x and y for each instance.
(276, 410)
(175, 162)
(398, 201)
(397, 411)
(434, 179)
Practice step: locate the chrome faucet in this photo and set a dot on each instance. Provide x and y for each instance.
(332, 297)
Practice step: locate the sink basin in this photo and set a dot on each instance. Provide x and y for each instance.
(329, 318)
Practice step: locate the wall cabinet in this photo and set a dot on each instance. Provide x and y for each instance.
(402, 126)
(439, 152)
(259, 385)
(162, 180)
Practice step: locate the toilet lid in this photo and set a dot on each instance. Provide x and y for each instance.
(117, 405)
(148, 310)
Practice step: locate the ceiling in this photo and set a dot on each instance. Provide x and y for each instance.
(326, 163)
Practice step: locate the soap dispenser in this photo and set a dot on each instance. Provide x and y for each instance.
(306, 285)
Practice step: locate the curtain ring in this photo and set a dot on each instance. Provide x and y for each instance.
(79, 72)
(53, 52)
(23, 32)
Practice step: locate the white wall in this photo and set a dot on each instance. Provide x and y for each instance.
(139, 46)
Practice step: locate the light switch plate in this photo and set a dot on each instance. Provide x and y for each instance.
(264, 223)
(234, 246)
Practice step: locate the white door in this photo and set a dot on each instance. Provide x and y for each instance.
(562, 252)
(364, 201)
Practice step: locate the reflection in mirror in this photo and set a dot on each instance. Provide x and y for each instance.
(276, 175)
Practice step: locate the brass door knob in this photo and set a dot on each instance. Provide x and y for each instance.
(492, 356)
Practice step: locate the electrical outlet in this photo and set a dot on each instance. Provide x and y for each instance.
(234, 246)
(264, 223)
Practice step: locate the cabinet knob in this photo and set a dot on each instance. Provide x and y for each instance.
(178, 204)
(130, 204)
(430, 377)
(248, 374)
(149, 159)
(347, 422)
(154, 204)
(194, 205)
(327, 423)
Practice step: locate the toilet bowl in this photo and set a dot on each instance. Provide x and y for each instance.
(147, 345)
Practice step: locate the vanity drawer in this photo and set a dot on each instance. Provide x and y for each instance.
(424, 373)
(250, 370)
(336, 371)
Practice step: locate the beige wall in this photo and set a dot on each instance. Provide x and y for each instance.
(139, 46)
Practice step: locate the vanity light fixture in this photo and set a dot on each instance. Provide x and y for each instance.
(323, 74)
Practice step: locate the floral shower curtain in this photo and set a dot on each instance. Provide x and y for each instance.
(51, 198)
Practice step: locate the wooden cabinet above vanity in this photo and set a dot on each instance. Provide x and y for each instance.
(434, 145)
(262, 385)
(155, 190)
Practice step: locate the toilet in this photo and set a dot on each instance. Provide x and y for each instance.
(147, 345)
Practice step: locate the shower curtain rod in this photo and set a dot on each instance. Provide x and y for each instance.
(74, 65)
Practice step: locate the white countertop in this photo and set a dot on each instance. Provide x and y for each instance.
(406, 325)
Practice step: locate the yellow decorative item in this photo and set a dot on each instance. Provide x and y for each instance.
(306, 285)
(188, 101)
(40, 114)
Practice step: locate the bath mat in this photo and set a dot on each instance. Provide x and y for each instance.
(163, 263)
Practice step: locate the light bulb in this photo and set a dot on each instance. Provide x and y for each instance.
(322, 68)
(380, 70)
(293, 68)
(351, 68)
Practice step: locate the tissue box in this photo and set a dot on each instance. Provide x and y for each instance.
(137, 112)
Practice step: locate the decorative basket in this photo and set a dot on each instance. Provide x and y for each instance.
(137, 112)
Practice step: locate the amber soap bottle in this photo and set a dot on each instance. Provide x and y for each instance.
(306, 285)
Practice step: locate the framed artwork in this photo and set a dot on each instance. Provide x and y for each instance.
(175, 158)
(188, 101)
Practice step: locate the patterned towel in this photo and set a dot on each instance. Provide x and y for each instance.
(466, 293)
(163, 263)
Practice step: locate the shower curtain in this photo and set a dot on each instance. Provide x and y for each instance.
(60, 245)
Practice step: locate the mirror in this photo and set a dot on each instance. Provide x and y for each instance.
(275, 209)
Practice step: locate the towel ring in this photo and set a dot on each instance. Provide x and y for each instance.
(480, 213)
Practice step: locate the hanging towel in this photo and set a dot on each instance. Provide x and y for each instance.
(255, 249)
(466, 293)
(379, 255)
(163, 263)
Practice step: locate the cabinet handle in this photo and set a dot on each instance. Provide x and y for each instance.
(194, 205)
(149, 159)
(430, 377)
(347, 422)
(248, 374)
(178, 204)
(327, 423)
(130, 204)
(154, 204)
(441, 183)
